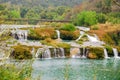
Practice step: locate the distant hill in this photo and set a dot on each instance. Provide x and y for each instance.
(43, 3)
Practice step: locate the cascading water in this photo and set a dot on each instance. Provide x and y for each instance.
(39, 52)
(26, 34)
(115, 53)
(43, 53)
(62, 53)
(47, 54)
(105, 53)
(20, 34)
(92, 39)
(55, 54)
(84, 55)
(58, 34)
(96, 37)
(33, 52)
(81, 34)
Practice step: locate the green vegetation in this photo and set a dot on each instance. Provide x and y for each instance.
(69, 35)
(54, 43)
(21, 52)
(42, 33)
(115, 36)
(37, 9)
(109, 50)
(118, 48)
(68, 27)
(86, 18)
(15, 72)
(107, 39)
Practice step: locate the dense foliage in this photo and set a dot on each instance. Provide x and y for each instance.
(86, 18)
(37, 9)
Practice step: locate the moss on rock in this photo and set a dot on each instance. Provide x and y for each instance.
(109, 50)
(21, 52)
(95, 53)
(42, 33)
(69, 35)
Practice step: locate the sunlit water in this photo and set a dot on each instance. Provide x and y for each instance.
(76, 69)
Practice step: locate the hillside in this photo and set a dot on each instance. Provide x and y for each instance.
(43, 3)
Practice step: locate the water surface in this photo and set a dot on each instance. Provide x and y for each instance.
(76, 69)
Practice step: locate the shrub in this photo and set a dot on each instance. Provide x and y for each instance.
(68, 35)
(68, 27)
(96, 52)
(114, 17)
(101, 18)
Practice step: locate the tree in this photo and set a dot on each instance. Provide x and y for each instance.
(14, 14)
(86, 18)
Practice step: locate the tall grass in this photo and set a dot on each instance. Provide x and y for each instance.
(16, 71)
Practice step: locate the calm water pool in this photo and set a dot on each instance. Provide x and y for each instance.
(76, 69)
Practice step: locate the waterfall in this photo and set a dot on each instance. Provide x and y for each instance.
(58, 34)
(39, 52)
(20, 34)
(33, 51)
(115, 53)
(62, 53)
(81, 34)
(47, 54)
(84, 55)
(55, 54)
(105, 53)
(43, 53)
(26, 34)
(96, 37)
(92, 39)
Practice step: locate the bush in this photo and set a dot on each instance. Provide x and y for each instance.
(95, 53)
(68, 27)
(67, 35)
(101, 18)
(114, 17)
(86, 18)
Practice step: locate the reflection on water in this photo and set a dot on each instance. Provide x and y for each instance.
(76, 69)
